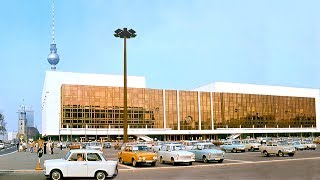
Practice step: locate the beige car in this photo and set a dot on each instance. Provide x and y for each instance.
(277, 148)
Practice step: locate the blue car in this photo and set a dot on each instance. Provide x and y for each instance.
(233, 146)
(207, 152)
(297, 145)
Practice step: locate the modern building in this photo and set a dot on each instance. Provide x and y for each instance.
(83, 106)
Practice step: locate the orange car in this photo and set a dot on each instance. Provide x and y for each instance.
(136, 155)
(74, 146)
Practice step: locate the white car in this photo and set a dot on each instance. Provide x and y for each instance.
(309, 145)
(175, 153)
(1, 145)
(251, 144)
(95, 146)
(81, 163)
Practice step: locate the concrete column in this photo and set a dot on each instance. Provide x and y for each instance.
(164, 109)
(178, 108)
(199, 110)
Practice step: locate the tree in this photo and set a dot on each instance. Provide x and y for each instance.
(3, 129)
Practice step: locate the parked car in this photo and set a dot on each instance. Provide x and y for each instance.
(1, 145)
(251, 144)
(106, 145)
(297, 145)
(277, 148)
(157, 146)
(233, 146)
(94, 145)
(136, 155)
(75, 146)
(189, 144)
(81, 163)
(207, 152)
(175, 153)
(309, 145)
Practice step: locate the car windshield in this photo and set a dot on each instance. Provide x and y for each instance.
(177, 148)
(284, 143)
(296, 143)
(236, 142)
(252, 141)
(209, 146)
(139, 148)
(94, 144)
(67, 155)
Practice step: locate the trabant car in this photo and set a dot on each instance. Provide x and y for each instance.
(137, 154)
(309, 145)
(207, 152)
(175, 153)
(81, 163)
(94, 145)
(251, 144)
(75, 146)
(277, 148)
(297, 145)
(189, 144)
(233, 146)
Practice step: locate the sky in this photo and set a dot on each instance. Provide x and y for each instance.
(180, 44)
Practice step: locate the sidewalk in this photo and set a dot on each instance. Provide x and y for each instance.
(27, 160)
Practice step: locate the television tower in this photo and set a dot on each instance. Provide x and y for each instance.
(53, 57)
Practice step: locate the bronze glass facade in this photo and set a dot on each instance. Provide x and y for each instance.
(102, 107)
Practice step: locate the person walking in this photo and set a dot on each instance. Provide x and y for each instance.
(60, 145)
(51, 146)
(31, 146)
(18, 145)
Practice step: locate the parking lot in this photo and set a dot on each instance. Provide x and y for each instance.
(230, 159)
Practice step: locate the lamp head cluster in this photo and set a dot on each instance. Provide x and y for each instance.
(125, 33)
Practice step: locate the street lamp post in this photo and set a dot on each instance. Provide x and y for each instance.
(125, 33)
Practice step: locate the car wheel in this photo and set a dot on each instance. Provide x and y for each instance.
(280, 153)
(153, 164)
(56, 174)
(205, 160)
(161, 160)
(100, 175)
(251, 149)
(121, 161)
(220, 161)
(234, 150)
(134, 163)
(190, 163)
(265, 153)
(308, 148)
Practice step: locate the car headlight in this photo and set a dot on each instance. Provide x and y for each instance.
(155, 157)
(209, 155)
(140, 158)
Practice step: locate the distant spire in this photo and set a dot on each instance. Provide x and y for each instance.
(53, 57)
(53, 41)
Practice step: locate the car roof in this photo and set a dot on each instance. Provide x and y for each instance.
(85, 151)
(203, 143)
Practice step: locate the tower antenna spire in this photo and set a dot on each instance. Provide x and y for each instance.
(53, 40)
(53, 57)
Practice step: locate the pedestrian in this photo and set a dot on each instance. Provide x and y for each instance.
(51, 146)
(36, 146)
(31, 146)
(18, 145)
(60, 145)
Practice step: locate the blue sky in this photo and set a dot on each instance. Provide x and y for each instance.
(181, 44)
